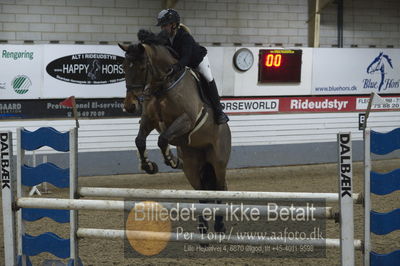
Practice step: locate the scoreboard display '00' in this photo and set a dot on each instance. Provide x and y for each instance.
(279, 65)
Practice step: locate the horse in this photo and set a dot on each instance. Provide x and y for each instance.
(172, 104)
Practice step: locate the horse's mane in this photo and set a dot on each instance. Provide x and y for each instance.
(149, 38)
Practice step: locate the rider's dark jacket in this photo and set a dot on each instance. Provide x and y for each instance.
(190, 52)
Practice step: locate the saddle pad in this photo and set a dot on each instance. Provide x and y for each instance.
(202, 85)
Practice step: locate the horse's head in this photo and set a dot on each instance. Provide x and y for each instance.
(376, 64)
(136, 67)
(144, 64)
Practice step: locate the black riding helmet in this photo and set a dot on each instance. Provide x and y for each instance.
(167, 16)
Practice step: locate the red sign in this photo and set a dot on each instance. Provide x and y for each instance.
(306, 104)
(317, 104)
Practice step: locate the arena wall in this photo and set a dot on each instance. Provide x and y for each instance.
(283, 137)
(372, 23)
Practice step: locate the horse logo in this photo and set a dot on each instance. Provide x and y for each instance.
(380, 63)
(94, 69)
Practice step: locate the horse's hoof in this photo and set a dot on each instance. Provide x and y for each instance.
(150, 168)
(180, 164)
(175, 163)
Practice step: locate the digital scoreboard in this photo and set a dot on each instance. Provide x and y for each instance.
(279, 65)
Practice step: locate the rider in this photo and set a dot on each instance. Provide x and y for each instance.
(191, 54)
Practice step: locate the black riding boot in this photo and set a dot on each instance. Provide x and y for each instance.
(212, 93)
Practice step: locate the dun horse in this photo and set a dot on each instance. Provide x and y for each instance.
(172, 105)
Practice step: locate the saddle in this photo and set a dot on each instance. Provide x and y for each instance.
(202, 85)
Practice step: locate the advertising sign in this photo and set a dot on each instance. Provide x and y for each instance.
(250, 105)
(87, 69)
(21, 75)
(355, 71)
(90, 71)
(306, 104)
(113, 107)
(51, 108)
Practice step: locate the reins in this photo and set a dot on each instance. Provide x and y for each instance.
(152, 86)
(176, 82)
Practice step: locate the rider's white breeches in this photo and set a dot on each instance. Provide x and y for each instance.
(205, 69)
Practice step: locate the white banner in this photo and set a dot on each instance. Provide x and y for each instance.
(391, 103)
(21, 75)
(246, 106)
(355, 71)
(89, 71)
(95, 71)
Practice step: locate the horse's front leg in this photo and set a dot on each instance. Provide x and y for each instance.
(140, 141)
(180, 126)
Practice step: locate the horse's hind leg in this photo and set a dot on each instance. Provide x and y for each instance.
(140, 141)
(218, 158)
(180, 126)
(220, 183)
(193, 162)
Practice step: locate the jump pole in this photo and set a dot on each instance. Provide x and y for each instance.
(345, 172)
(220, 209)
(8, 194)
(367, 192)
(156, 194)
(198, 238)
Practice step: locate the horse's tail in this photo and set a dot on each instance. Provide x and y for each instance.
(185, 28)
(208, 177)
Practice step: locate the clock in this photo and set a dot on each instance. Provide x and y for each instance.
(243, 59)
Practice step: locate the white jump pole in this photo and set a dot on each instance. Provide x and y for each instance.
(367, 196)
(73, 188)
(156, 194)
(8, 193)
(198, 238)
(198, 208)
(345, 171)
(20, 193)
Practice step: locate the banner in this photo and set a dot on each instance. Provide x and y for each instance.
(55, 71)
(355, 71)
(86, 71)
(51, 108)
(306, 104)
(21, 74)
(113, 107)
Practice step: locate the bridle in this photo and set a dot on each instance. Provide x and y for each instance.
(146, 88)
(139, 85)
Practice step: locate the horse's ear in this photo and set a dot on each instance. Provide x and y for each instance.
(147, 50)
(141, 48)
(123, 47)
